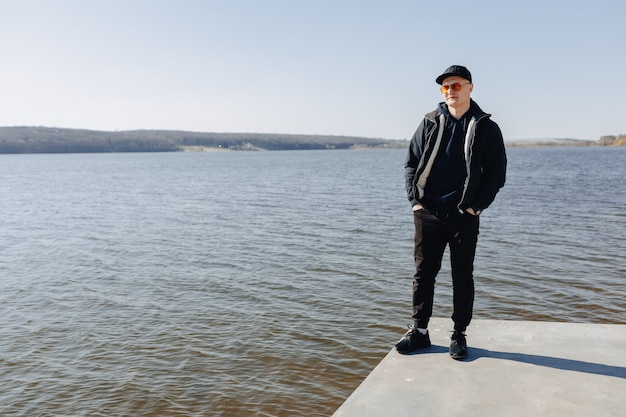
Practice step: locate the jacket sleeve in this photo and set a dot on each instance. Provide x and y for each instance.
(494, 164)
(416, 148)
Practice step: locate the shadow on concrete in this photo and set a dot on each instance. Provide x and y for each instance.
(549, 361)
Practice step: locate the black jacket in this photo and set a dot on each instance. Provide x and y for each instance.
(485, 159)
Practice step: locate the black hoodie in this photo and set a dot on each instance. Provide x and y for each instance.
(446, 179)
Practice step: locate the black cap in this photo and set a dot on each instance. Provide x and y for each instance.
(458, 70)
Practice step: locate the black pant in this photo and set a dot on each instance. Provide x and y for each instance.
(434, 230)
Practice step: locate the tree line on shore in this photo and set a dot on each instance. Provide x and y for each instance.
(15, 140)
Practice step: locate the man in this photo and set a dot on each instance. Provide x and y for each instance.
(455, 167)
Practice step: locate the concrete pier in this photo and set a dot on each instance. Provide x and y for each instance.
(514, 368)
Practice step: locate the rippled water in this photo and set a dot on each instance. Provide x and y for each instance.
(266, 283)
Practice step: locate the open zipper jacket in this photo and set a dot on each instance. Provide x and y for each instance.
(484, 152)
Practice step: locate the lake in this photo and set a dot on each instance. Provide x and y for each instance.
(267, 283)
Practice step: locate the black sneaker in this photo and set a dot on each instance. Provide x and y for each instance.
(412, 341)
(458, 346)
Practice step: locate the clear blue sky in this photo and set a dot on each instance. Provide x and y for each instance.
(543, 69)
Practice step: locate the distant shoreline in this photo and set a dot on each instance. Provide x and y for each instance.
(24, 139)
(37, 139)
(604, 141)
(202, 149)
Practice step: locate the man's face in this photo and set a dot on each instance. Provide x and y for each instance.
(455, 98)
